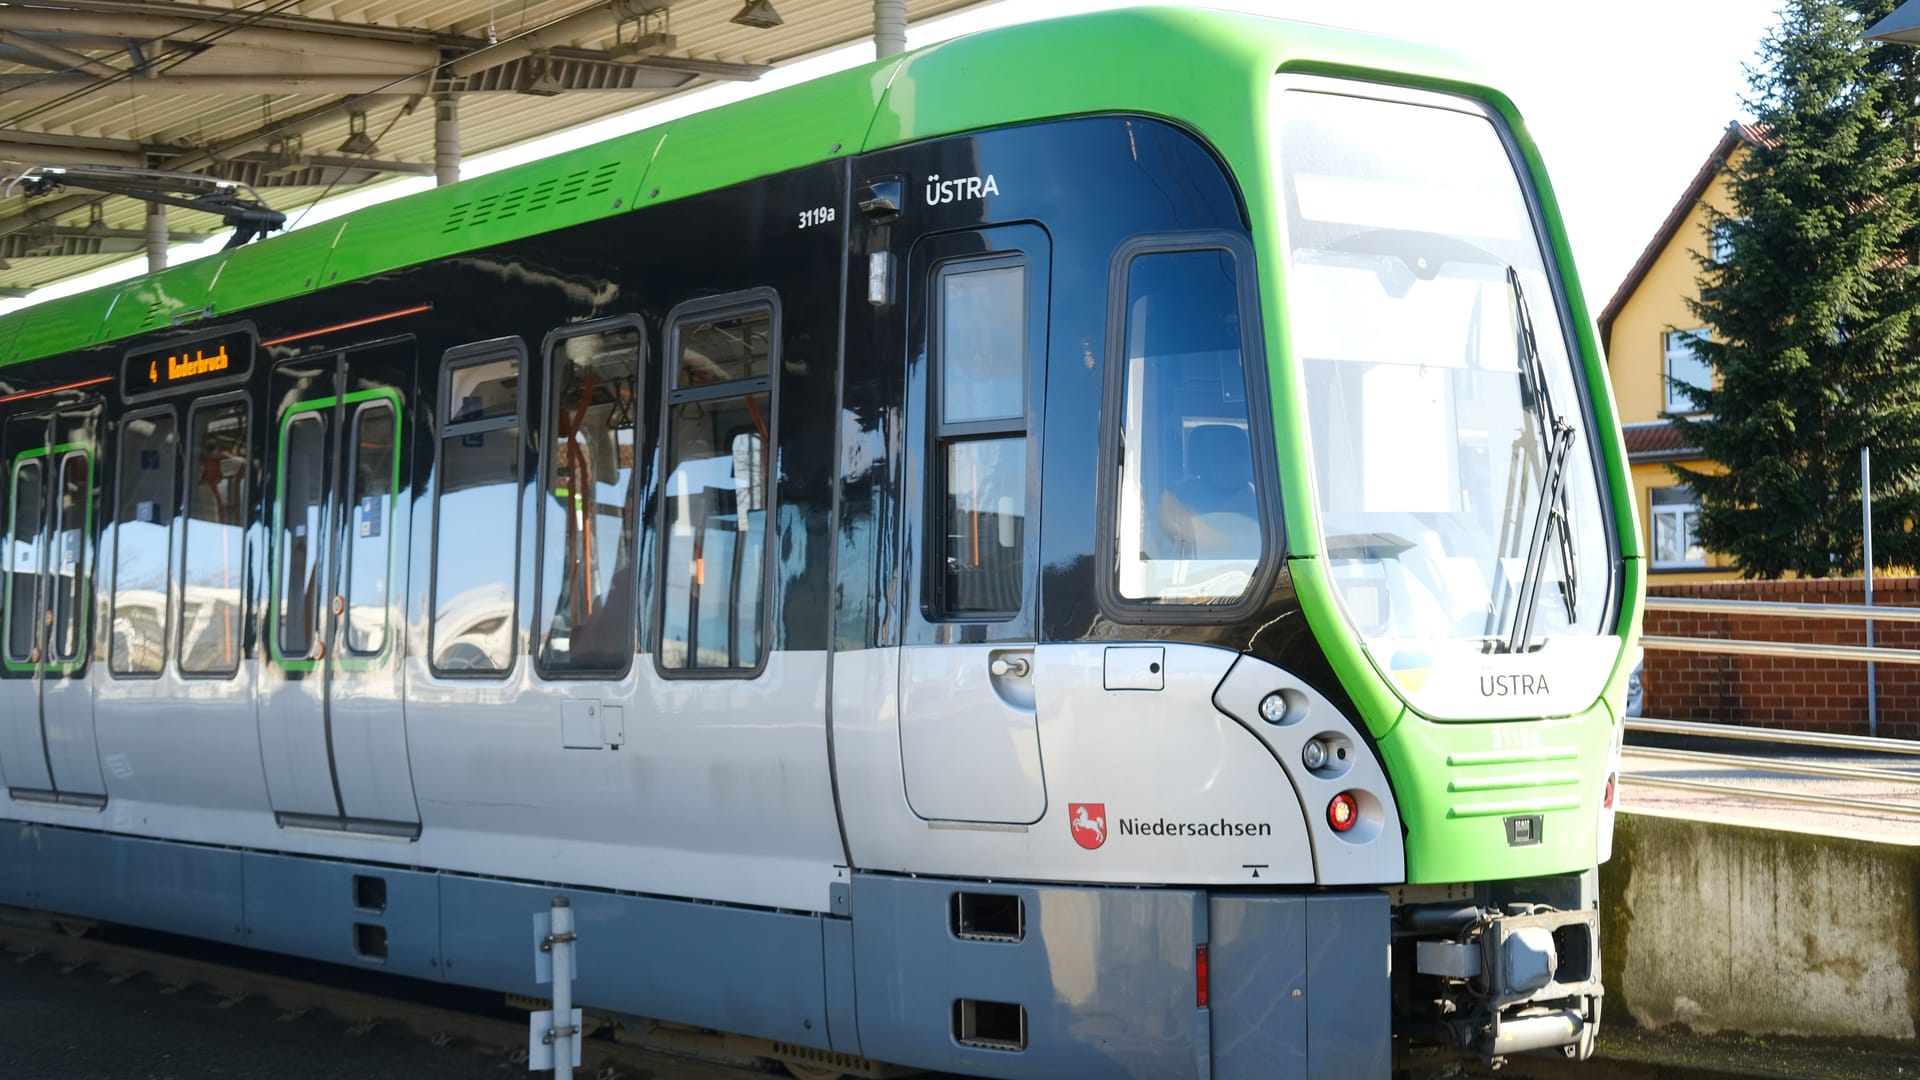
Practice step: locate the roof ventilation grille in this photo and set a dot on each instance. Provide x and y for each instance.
(570, 190)
(541, 195)
(603, 179)
(553, 192)
(483, 211)
(510, 204)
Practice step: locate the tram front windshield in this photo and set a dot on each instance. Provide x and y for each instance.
(1413, 263)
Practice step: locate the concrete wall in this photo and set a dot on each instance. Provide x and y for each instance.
(1733, 928)
(1779, 691)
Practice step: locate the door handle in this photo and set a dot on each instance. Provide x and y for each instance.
(1014, 666)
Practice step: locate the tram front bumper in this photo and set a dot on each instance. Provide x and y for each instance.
(1495, 983)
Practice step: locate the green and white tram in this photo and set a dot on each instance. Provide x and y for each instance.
(1097, 548)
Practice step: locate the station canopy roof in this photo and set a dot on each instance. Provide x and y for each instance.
(301, 98)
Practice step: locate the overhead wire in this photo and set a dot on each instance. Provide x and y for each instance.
(335, 182)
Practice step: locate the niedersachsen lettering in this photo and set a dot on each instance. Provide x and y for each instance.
(1165, 827)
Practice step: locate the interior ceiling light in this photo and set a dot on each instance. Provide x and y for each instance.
(758, 14)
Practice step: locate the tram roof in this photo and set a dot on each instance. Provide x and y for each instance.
(1208, 70)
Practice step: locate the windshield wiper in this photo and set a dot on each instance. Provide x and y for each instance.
(1538, 397)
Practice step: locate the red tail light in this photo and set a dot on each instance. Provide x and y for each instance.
(1606, 801)
(1343, 812)
(1200, 976)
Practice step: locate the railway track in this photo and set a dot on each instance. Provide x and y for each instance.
(1627, 1054)
(615, 1049)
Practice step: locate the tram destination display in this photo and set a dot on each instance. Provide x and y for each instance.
(195, 363)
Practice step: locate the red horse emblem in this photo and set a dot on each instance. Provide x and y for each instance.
(1088, 821)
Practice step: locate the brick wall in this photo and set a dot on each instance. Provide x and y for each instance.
(1778, 691)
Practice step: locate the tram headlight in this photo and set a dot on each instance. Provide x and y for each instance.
(1273, 708)
(1313, 755)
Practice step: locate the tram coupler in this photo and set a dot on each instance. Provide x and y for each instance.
(1496, 982)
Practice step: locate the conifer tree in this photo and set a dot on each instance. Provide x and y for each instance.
(1812, 314)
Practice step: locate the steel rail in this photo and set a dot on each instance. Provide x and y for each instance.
(1782, 609)
(1775, 795)
(1770, 765)
(1775, 735)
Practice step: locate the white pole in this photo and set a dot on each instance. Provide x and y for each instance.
(564, 1032)
(1866, 558)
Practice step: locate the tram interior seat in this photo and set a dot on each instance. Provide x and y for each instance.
(1213, 511)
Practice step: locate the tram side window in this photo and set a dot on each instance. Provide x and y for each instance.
(370, 507)
(1188, 525)
(302, 528)
(213, 562)
(588, 496)
(477, 517)
(720, 463)
(23, 557)
(980, 437)
(142, 546)
(72, 533)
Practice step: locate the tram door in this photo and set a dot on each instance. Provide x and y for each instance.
(46, 708)
(977, 324)
(332, 731)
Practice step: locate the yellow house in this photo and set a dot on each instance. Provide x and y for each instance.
(1644, 329)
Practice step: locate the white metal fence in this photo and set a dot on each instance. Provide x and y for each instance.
(1883, 756)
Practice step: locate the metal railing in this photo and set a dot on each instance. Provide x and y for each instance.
(1894, 749)
(1853, 612)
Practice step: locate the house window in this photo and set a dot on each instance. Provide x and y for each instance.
(1720, 237)
(1676, 529)
(1685, 369)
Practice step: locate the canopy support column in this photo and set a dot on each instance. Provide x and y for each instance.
(889, 28)
(157, 237)
(446, 139)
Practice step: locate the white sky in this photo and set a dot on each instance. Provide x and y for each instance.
(1625, 100)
